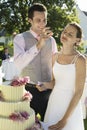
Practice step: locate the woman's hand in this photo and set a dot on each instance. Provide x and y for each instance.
(58, 126)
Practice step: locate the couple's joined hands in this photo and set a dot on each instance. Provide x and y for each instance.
(41, 87)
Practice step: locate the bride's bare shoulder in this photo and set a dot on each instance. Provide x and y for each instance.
(55, 57)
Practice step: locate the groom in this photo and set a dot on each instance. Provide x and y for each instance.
(33, 51)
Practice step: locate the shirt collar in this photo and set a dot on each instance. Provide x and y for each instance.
(33, 33)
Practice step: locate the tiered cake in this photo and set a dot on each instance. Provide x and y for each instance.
(15, 111)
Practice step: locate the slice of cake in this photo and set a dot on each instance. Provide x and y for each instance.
(15, 111)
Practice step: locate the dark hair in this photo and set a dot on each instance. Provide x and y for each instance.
(79, 30)
(36, 7)
(5, 48)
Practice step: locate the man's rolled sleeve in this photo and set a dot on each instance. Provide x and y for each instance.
(21, 57)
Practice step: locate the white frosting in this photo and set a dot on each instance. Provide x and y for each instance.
(13, 103)
(11, 93)
(7, 124)
(7, 108)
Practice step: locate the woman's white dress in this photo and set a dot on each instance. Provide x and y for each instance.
(61, 96)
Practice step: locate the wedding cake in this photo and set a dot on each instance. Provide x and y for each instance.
(15, 111)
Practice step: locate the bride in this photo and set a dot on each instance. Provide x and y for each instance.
(64, 110)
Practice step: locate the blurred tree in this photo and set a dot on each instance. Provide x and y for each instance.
(13, 14)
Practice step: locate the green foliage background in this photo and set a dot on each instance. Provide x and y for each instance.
(13, 15)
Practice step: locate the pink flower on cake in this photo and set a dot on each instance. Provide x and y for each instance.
(17, 82)
(36, 126)
(20, 81)
(19, 116)
(27, 96)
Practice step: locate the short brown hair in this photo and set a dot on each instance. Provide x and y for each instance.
(36, 7)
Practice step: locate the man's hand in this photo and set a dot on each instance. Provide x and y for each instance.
(44, 35)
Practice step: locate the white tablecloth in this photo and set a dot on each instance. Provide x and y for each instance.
(9, 69)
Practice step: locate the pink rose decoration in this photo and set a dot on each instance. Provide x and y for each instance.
(36, 126)
(27, 96)
(19, 116)
(20, 81)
